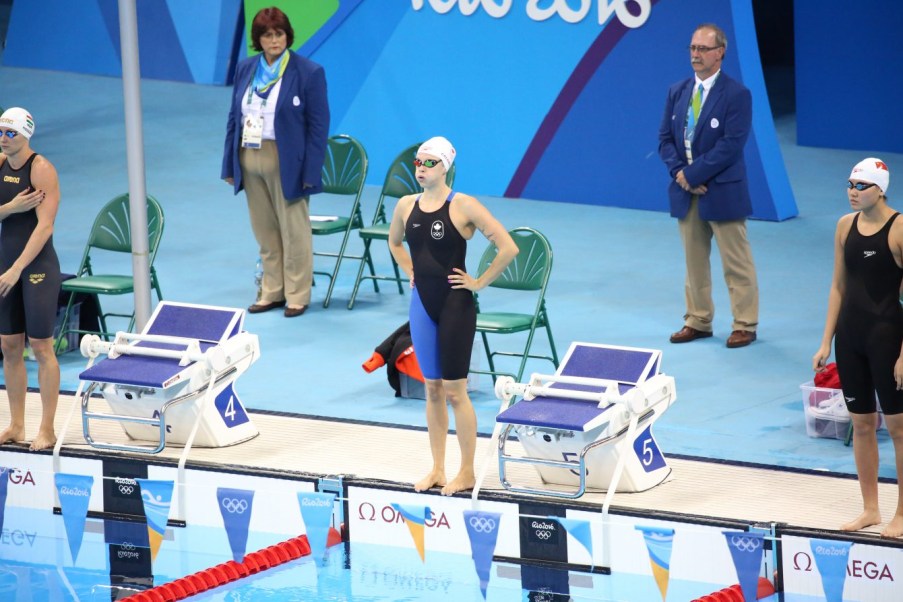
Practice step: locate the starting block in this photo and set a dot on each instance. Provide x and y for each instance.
(174, 381)
(590, 423)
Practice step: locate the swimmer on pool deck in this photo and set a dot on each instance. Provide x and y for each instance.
(437, 225)
(29, 274)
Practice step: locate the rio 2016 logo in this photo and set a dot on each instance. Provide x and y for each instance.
(499, 8)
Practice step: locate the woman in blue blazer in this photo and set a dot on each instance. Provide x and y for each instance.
(275, 145)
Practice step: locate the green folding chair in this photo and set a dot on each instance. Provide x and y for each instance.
(111, 236)
(400, 181)
(344, 176)
(528, 273)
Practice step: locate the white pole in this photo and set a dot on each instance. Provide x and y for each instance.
(134, 141)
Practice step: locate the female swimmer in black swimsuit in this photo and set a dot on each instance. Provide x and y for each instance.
(864, 313)
(437, 225)
(29, 273)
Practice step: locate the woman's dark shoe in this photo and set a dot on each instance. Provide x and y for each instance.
(259, 308)
(294, 312)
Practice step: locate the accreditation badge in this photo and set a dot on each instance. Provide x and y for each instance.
(252, 131)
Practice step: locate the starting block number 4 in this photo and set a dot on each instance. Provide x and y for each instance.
(230, 408)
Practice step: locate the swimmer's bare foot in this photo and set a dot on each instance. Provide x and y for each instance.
(464, 481)
(434, 478)
(43, 441)
(894, 528)
(13, 434)
(866, 519)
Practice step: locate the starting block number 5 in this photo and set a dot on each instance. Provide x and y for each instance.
(647, 452)
(230, 408)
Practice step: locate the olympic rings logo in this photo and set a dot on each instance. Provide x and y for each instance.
(482, 525)
(234, 506)
(745, 544)
(544, 535)
(126, 489)
(127, 551)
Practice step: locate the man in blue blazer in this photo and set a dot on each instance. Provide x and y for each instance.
(705, 126)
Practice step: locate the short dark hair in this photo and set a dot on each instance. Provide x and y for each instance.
(720, 36)
(270, 18)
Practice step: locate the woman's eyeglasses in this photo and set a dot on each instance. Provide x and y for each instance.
(427, 162)
(9, 133)
(860, 186)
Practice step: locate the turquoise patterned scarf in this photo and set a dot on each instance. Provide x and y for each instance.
(266, 75)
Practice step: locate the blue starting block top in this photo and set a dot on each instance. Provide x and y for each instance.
(140, 371)
(209, 325)
(194, 322)
(555, 413)
(625, 365)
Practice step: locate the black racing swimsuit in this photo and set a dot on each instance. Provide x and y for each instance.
(443, 319)
(31, 305)
(870, 325)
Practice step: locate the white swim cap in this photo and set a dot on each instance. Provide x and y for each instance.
(18, 119)
(874, 171)
(439, 147)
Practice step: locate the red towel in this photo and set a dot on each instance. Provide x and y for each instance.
(828, 378)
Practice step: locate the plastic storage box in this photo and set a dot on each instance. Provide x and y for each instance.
(825, 411)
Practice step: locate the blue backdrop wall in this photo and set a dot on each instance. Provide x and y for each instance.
(177, 40)
(849, 74)
(553, 100)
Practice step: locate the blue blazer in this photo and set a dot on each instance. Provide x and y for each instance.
(724, 125)
(301, 124)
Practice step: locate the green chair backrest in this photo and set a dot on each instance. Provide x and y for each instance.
(112, 230)
(345, 166)
(530, 270)
(400, 179)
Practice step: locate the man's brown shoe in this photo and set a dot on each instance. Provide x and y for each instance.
(688, 333)
(740, 338)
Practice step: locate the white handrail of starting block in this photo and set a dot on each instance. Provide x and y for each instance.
(92, 346)
(535, 389)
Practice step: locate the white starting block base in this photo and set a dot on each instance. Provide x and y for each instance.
(223, 423)
(158, 383)
(590, 424)
(600, 461)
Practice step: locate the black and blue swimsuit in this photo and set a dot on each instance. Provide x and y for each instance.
(443, 319)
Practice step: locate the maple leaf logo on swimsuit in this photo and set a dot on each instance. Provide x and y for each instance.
(36, 278)
(437, 231)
